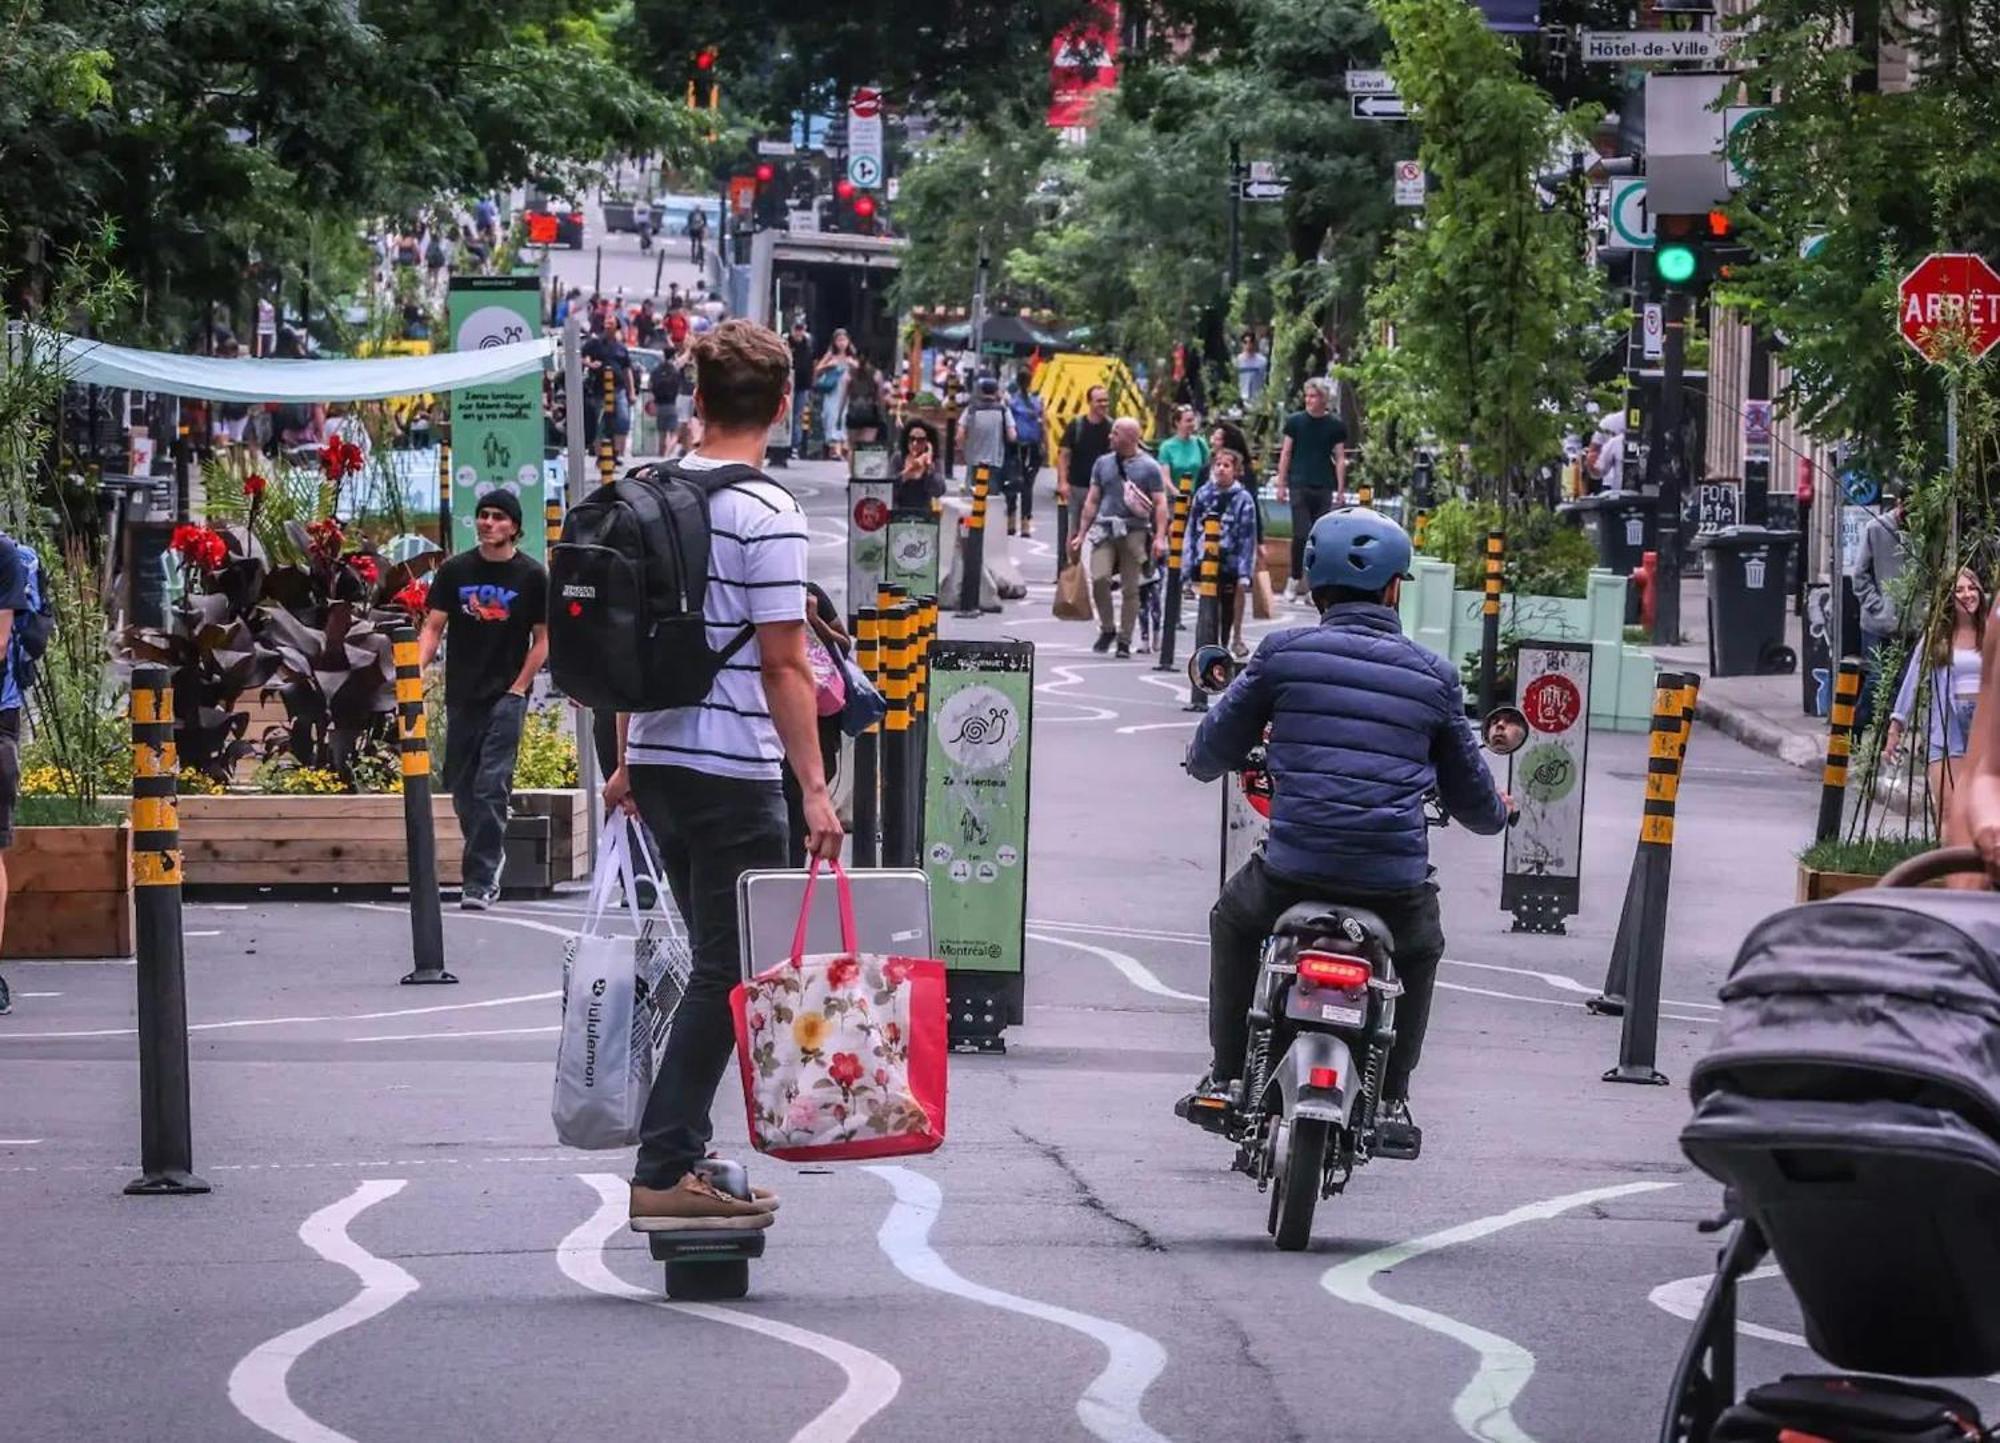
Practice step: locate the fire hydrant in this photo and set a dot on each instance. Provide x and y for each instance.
(1645, 578)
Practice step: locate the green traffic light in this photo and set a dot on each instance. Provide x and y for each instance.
(1674, 264)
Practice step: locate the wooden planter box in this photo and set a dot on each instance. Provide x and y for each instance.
(69, 892)
(355, 841)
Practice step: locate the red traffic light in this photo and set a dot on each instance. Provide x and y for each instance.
(704, 59)
(844, 188)
(766, 172)
(864, 206)
(1718, 224)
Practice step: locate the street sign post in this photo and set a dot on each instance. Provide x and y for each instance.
(1946, 292)
(1379, 107)
(497, 427)
(1631, 219)
(1541, 871)
(864, 137)
(1653, 332)
(1736, 119)
(1409, 182)
(1648, 47)
(1370, 82)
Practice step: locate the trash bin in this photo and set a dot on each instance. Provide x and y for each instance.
(1746, 567)
(1620, 524)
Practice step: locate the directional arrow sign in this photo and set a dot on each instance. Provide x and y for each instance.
(1379, 107)
(1265, 189)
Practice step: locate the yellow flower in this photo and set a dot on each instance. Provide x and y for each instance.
(809, 1031)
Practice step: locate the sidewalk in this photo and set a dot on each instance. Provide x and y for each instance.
(1762, 712)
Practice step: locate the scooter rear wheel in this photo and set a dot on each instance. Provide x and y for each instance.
(1301, 1171)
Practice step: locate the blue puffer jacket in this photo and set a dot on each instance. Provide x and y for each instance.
(1363, 722)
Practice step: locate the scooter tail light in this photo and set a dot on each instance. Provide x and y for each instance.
(1330, 969)
(1324, 1077)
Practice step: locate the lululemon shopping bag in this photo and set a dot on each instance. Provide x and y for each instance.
(843, 1057)
(623, 976)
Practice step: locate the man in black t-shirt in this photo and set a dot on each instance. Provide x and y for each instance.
(1312, 464)
(603, 351)
(1084, 440)
(800, 344)
(490, 608)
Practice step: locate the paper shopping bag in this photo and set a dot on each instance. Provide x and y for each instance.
(1072, 594)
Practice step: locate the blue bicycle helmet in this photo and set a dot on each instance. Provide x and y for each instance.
(1356, 547)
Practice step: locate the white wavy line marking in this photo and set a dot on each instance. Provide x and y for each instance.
(1683, 1298)
(239, 1022)
(872, 1380)
(1109, 1407)
(1154, 727)
(1131, 968)
(257, 1384)
(1482, 1407)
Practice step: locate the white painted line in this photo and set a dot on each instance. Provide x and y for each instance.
(1563, 983)
(216, 933)
(1194, 939)
(1683, 1298)
(219, 906)
(257, 1384)
(1482, 1408)
(20, 1142)
(289, 1021)
(428, 1036)
(1133, 970)
(38, 994)
(872, 1380)
(1155, 727)
(1109, 1407)
(471, 917)
(1557, 1002)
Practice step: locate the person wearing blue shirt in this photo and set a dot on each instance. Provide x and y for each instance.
(1358, 722)
(17, 565)
(1235, 508)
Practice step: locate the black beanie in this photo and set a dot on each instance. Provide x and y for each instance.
(501, 499)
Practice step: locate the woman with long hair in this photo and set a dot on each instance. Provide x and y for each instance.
(832, 374)
(1951, 660)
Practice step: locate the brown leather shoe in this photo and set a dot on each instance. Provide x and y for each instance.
(694, 1203)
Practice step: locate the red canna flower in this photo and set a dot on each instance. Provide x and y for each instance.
(365, 567)
(254, 485)
(326, 539)
(199, 546)
(845, 1069)
(340, 457)
(414, 597)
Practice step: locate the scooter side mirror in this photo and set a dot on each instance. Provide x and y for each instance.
(1504, 731)
(1211, 669)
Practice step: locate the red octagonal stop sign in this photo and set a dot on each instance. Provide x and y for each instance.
(1947, 291)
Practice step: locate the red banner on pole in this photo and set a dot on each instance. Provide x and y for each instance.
(1083, 64)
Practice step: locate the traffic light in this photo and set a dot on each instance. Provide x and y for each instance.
(702, 78)
(1676, 257)
(768, 209)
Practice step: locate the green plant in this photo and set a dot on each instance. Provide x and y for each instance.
(1865, 856)
(45, 810)
(547, 758)
(1545, 556)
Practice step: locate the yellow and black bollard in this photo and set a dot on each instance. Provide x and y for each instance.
(1170, 605)
(1632, 983)
(1489, 622)
(166, 1129)
(1208, 602)
(920, 709)
(1839, 745)
(445, 538)
(1365, 495)
(1422, 529)
(867, 746)
(972, 555)
(419, 838)
(607, 449)
(552, 519)
(896, 847)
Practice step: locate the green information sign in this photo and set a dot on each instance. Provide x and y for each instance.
(496, 430)
(976, 803)
(910, 557)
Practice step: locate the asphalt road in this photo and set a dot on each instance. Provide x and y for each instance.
(397, 1248)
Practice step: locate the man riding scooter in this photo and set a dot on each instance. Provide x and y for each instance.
(1362, 723)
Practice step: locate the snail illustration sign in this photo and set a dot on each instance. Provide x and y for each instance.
(867, 539)
(1542, 862)
(496, 429)
(976, 820)
(910, 555)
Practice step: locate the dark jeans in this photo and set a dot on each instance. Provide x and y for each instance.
(480, 741)
(1250, 905)
(711, 830)
(1017, 482)
(1309, 503)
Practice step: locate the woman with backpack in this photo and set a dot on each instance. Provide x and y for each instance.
(1030, 431)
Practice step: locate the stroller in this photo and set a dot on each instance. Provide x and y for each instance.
(1851, 1109)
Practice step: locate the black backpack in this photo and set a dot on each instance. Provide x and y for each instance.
(626, 586)
(1850, 1410)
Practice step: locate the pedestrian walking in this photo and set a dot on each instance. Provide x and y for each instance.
(21, 583)
(1874, 572)
(1224, 497)
(917, 481)
(1951, 667)
(1253, 368)
(697, 234)
(607, 351)
(1125, 515)
(489, 607)
(1312, 464)
(800, 343)
(1604, 458)
(826, 640)
(1030, 433)
(1085, 440)
(985, 437)
(707, 778)
(832, 374)
(1184, 455)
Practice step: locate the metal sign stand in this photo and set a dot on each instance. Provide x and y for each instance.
(1542, 856)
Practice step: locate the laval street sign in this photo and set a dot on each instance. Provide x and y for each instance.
(1948, 291)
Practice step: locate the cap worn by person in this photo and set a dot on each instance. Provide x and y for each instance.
(503, 500)
(988, 386)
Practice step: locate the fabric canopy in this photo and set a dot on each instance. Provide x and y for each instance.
(216, 378)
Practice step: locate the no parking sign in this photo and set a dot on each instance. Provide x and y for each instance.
(1541, 866)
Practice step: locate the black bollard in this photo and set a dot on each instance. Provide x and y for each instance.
(444, 495)
(166, 1130)
(1489, 623)
(972, 556)
(1207, 612)
(419, 838)
(1839, 745)
(1170, 607)
(867, 753)
(1652, 870)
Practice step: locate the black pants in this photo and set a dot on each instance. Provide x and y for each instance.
(1017, 483)
(795, 799)
(1309, 503)
(1251, 903)
(711, 830)
(480, 743)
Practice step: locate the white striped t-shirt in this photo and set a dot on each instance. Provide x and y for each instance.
(756, 573)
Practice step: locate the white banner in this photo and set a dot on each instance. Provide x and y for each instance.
(864, 137)
(1543, 860)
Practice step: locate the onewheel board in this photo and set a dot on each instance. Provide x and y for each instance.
(892, 914)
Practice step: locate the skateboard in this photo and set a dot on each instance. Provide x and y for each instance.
(711, 1263)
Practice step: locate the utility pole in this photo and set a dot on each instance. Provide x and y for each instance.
(1235, 221)
(979, 301)
(1666, 458)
